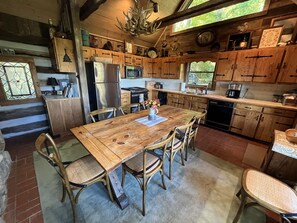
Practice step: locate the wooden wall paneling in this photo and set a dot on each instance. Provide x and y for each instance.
(21, 113)
(35, 10)
(25, 128)
(22, 30)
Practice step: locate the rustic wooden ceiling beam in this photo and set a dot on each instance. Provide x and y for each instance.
(89, 7)
(197, 10)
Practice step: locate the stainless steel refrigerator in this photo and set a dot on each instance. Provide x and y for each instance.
(103, 85)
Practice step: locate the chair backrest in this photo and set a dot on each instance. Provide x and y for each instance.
(198, 120)
(131, 108)
(47, 148)
(110, 112)
(161, 146)
(183, 132)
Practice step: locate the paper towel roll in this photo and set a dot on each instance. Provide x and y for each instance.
(182, 86)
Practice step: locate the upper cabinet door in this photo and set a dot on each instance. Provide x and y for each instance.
(64, 55)
(245, 65)
(268, 65)
(288, 71)
(225, 66)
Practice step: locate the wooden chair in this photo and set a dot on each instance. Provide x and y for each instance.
(193, 133)
(135, 107)
(76, 175)
(111, 112)
(268, 193)
(179, 143)
(145, 165)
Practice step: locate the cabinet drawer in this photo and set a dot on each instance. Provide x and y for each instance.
(281, 112)
(249, 107)
(200, 100)
(171, 95)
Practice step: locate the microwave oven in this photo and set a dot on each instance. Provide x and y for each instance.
(132, 72)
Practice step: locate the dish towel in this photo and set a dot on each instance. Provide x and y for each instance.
(150, 123)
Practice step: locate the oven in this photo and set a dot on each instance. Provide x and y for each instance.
(138, 94)
(219, 114)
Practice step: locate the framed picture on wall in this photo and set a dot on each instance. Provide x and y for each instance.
(239, 41)
(128, 47)
(289, 24)
(270, 37)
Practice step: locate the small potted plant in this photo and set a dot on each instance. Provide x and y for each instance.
(153, 107)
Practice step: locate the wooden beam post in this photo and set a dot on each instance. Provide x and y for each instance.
(76, 32)
(89, 7)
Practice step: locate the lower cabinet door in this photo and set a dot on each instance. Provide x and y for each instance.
(268, 123)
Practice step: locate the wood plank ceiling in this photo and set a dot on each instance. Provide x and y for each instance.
(103, 20)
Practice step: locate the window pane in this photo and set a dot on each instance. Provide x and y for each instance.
(17, 80)
(197, 2)
(200, 79)
(230, 12)
(203, 66)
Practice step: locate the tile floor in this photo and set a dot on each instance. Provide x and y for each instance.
(23, 197)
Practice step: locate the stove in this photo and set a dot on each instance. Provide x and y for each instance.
(138, 94)
(136, 90)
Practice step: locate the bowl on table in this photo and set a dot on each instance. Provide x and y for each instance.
(291, 135)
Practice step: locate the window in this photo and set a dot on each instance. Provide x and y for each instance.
(223, 14)
(201, 74)
(18, 80)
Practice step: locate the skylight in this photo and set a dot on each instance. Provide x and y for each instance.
(223, 14)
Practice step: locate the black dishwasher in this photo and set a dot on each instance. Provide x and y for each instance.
(219, 114)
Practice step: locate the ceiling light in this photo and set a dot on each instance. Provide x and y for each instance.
(137, 19)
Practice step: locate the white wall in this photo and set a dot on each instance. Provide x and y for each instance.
(256, 91)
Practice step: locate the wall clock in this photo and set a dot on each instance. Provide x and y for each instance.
(205, 38)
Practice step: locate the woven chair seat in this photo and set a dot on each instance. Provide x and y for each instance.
(270, 191)
(177, 143)
(136, 163)
(83, 170)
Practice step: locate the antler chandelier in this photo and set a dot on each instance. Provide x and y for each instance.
(137, 19)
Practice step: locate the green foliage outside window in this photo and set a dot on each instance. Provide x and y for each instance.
(201, 73)
(230, 12)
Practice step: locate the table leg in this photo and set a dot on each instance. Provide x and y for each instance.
(118, 191)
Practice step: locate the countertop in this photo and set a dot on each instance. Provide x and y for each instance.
(238, 100)
(56, 97)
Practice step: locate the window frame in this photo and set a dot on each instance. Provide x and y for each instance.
(225, 22)
(21, 59)
(212, 57)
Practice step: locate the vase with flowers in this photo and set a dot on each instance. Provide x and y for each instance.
(152, 105)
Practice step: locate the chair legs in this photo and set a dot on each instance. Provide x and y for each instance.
(171, 158)
(241, 207)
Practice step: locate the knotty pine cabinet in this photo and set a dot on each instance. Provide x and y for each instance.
(170, 68)
(256, 65)
(288, 70)
(225, 66)
(260, 122)
(118, 58)
(132, 60)
(187, 102)
(245, 119)
(272, 119)
(152, 67)
(63, 114)
(64, 55)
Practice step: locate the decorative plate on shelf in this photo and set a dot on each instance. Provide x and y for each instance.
(152, 52)
(205, 38)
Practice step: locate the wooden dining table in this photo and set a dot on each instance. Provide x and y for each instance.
(116, 140)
